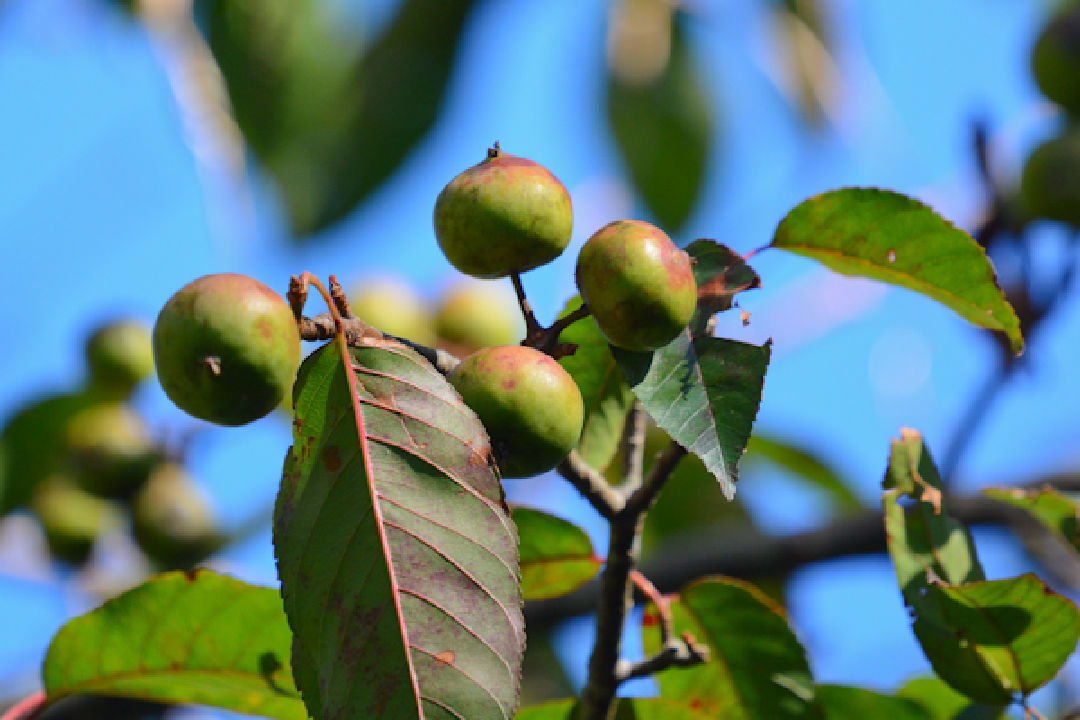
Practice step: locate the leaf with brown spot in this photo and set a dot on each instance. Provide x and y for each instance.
(398, 559)
(720, 274)
(891, 237)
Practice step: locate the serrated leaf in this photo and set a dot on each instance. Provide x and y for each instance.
(604, 392)
(757, 668)
(1057, 512)
(993, 639)
(923, 539)
(659, 110)
(850, 703)
(557, 556)
(327, 116)
(32, 442)
(720, 274)
(626, 709)
(196, 638)
(941, 702)
(396, 553)
(806, 466)
(896, 239)
(704, 393)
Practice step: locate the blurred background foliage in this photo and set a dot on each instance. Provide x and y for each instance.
(320, 131)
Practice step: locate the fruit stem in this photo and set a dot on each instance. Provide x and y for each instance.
(533, 329)
(494, 151)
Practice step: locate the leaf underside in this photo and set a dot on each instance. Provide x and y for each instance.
(198, 638)
(396, 552)
(704, 393)
(891, 237)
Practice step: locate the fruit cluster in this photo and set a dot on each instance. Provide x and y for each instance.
(91, 465)
(227, 347)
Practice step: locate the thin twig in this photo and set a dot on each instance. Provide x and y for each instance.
(643, 497)
(633, 449)
(567, 320)
(593, 486)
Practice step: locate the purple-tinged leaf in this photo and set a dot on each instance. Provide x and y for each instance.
(720, 274)
(396, 552)
(704, 393)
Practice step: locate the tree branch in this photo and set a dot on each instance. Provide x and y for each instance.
(749, 554)
(593, 486)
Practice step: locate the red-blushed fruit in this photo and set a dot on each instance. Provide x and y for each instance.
(504, 215)
(226, 348)
(637, 283)
(530, 406)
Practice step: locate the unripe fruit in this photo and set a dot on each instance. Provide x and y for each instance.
(172, 521)
(1050, 185)
(112, 450)
(72, 518)
(1055, 59)
(638, 285)
(504, 215)
(118, 357)
(226, 348)
(531, 407)
(476, 314)
(393, 307)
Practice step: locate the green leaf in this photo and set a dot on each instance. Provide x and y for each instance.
(757, 668)
(1054, 510)
(896, 239)
(923, 540)
(805, 466)
(720, 274)
(941, 702)
(328, 117)
(556, 556)
(181, 638)
(660, 114)
(397, 555)
(33, 441)
(627, 709)
(988, 639)
(849, 703)
(993, 639)
(704, 393)
(606, 397)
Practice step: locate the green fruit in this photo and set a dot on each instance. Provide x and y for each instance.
(638, 285)
(1050, 185)
(111, 449)
(118, 357)
(505, 215)
(477, 314)
(172, 521)
(1055, 59)
(531, 407)
(72, 518)
(393, 307)
(226, 349)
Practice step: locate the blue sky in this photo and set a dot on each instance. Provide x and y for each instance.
(104, 208)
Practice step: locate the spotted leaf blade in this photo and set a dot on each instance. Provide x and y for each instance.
(198, 638)
(891, 237)
(704, 393)
(397, 555)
